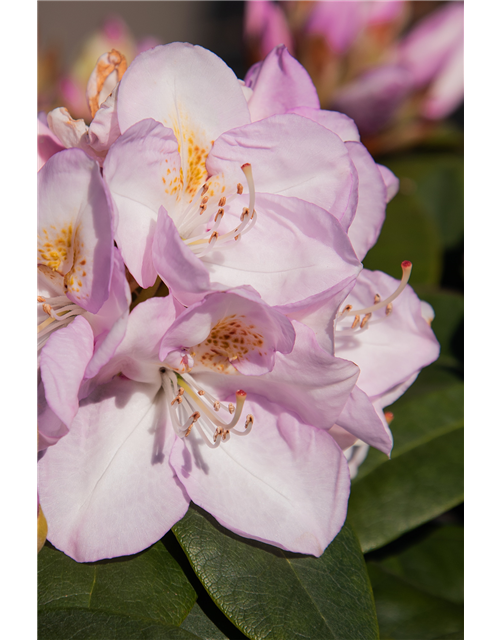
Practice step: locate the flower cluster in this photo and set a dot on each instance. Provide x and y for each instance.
(396, 87)
(206, 330)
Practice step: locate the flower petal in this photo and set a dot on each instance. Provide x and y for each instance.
(107, 489)
(290, 156)
(279, 83)
(285, 484)
(133, 171)
(74, 226)
(63, 361)
(187, 88)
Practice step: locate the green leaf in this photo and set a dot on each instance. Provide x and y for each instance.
(199, 624)
(434, 565)
(82, 624)
(447, 325)
(424, 477)
(434, 182)
(272, 594)
(148, 587)
(406, 613)
(408, 234)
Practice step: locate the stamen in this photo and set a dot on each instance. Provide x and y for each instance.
(356, 322)
(376, 298)
(247, 170)
(388, 309)
(239, 188)
(406, 267)
(222, 202)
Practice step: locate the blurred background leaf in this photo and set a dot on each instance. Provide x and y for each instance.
(269, 593)
(424, 220)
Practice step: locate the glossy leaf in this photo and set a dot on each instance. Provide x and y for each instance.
(199, 624)
(82, 624)
(424, 477)
(149, 587)
(272, 594)
(406, 613)
(434, 565)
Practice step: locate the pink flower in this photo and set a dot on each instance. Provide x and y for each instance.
(385, 329)
(161, 426)
(83, 296)
(202, 194)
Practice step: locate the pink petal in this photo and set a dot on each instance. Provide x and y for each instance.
(74, 221)
(279, 83)
(183, 273)
(48, 143)
(294, 251)
(308, 381)
(285, 484)
(290, 156)
(185, 87)
(335, 121)
(360, 418)
(370, 212)
(133, 171)
(339, 22)
(390, 181)
(391, 348)
(107, 489)
(63, 361)
(265, 26)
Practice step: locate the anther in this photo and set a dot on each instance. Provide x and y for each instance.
(245, 212)
(205, 189)
(214, 235)
(202, 209)
(40, 299)
(249, 421)
(239, 188)
(222, 201)
(163, 370)
(220, 213)
(376, 298)
(176, 399)
(365, 320)
(204, 200)
(388, 309)
(47, 308)
(356, 322)
(230, 407)
(200, 392)
(216, 405)
(237, 237)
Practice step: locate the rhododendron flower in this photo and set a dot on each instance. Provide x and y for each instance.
(232, 193)
(160, 425)
(384, 328)
(83, 296)
(280, 74)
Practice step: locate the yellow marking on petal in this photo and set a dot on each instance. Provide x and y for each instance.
(54, 250)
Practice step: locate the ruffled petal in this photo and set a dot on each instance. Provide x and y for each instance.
(63, 361)
(285, 483)
(108, 489)
(279, 83)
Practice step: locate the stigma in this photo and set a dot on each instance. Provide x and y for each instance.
(190, 406)
(211, 215)
(363, 316)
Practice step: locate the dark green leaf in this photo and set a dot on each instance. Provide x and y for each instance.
(149, 586)
(424, 477)
(434, 565)
(199, 624)
(81, 624)
(406, 613)
(272, 594)
(447, 325)
(435, 182)
(408, 234)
